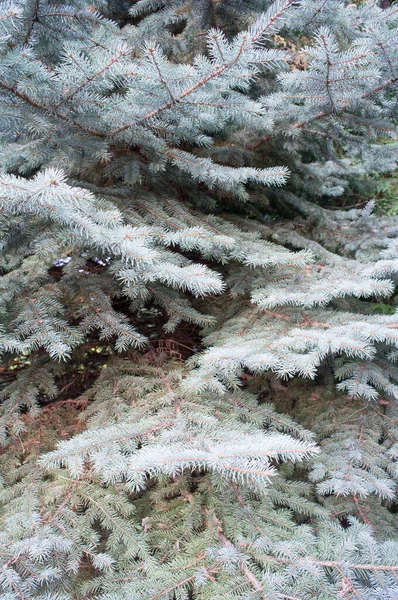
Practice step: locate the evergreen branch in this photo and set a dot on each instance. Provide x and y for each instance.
(89, 79)
(324, 114)
(216, 73)
(275, 11)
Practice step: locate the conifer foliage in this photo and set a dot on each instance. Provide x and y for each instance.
(180, 163)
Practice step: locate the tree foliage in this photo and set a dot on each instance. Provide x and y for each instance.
(156, 179)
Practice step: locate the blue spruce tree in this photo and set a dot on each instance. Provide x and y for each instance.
(199, 388)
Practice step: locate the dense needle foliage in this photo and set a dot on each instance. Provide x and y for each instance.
(199, 342)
